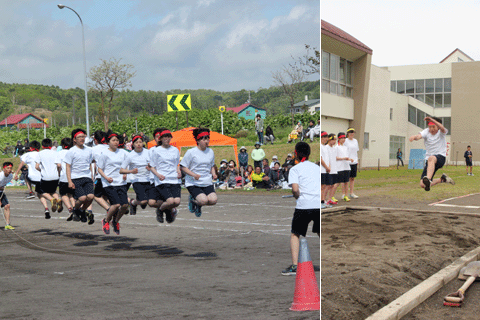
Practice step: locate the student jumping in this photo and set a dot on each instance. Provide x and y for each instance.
(99, 138)
(66, 193)
(45, 163)
(5, 177)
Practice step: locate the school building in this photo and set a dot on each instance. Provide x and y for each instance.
(387, 105)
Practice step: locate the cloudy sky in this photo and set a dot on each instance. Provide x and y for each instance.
(222, 45)
(408, 32)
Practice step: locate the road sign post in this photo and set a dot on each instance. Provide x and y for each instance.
(222, 110)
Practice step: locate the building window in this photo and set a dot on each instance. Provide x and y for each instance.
(366, 140)
(395, 143)
(336, 75)
(417, 117)
(391, 113)
(434, 92)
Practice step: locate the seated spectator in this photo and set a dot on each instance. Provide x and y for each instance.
(314, 131)
(276, 176)
(289, 162)
(260, 179)
(269, 134)
(18, 149)
(274, 160)
(296, 133)
(243, 158)
(222, 169)
(247, 175)
(231, 174)
(266, 167)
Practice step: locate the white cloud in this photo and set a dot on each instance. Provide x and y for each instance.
(205, 3)
(166, 19)
(245, 29)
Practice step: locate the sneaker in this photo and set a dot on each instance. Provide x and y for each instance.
(59, 206)
(468, 174)
(324, 206)
(105, 227)
(159, 215)
(447, 179)
(9, 227)
(330, 203)
(83, 216)
(116, 227)
(353, 196)
(170, 215)
(290, 271)
(54, 204)
(133, 209)
(31, 195)
(198, 210)
(76, 215)
(47, 214)
(70, 217)
(143, 206)
(346, 199)
(191, 205)
(334, 200)
(90, 217)
(427, 182)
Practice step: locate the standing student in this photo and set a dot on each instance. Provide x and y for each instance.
(100, 146)
(259, 127)
(136, 165)
(343, 164)
(468, 160)
(333, 175)
(243, 158)
(352, 144)
(324, 169)
(305, 184)
(434, 138)
(5, 177)
(109, 166)
(79, 174)
(258, 155)
(165, 166)
(154, 200)
(66, 193)
(45, 163)
(198, 165)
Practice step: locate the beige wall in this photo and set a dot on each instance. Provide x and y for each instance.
(334, 125)
(336, 106)
(454, 57)
(421, 71)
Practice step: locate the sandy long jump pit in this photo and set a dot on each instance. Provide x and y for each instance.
(371, 257)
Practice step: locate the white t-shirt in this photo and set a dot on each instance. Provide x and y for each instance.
(352, 146)
(332, 156)
(111, 162)
(60, 160)
(151, 176)
(46, 160)
(324, 155)
(5, 180)
(97, 152)
(199, 162)
(307, 175)
(342, 152)
(165, 161)
(434, 144)
(30, 158)
(79, 160)
(139, 160)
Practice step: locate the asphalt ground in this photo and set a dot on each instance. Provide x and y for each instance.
(224, 265)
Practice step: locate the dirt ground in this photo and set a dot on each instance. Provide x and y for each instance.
(371, 257)
(225, 265)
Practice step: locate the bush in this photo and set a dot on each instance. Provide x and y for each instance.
(241, 134)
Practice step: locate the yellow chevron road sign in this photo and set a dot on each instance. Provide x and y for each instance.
(179, 102)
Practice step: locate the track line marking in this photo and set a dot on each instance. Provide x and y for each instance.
(456, 206)
(459, 197)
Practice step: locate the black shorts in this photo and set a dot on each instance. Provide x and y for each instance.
(438, 165)
(116, 195)
(343, 176)
(38, 188)
(127, 186)
(63, 189)
(468, 162)
(324, 178)
(48, 186)
(4, 199)
(153, 192)
(301, 219)
(169, 190)
(353, 170)
(332, 179)
(196, 190)
(83, 187)
(141, 190)
(99, 190)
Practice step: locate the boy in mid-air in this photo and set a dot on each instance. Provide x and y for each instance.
(436, 146)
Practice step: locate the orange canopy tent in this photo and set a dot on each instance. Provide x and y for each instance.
(184, 138)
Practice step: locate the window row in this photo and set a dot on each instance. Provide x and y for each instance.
(434, 92)
(416, 117)
(337, 75)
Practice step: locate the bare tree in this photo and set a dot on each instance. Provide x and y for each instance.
(309, 63)
(289, 79)
(107, 77)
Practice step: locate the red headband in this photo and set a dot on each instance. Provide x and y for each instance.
(113, 135)
(8, 165)
(431, 123)
(324, 134)
(341, 136)
(165, 132)
(103, 140)
(76, 134)
(203, 134)
(49, 148)
(136, 137)
(33, 149)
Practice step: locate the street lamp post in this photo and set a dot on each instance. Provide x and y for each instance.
(61, 6)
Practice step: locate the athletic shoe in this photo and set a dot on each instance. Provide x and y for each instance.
(143, 206)
(468, 174)
(330, 203)
(31, 195)
(290, 271)
(90, 217)
(324, 206)
(116, 227)
(83, 216)
(346, 199)
(447, 179)
(70, 217)
(105, 227)
(54, 204)
(159, 215)
(334, 200)
(353, 196)
(133, 209)
(47, 214)
(427, 182)
(170, 215)
(76, 215)
(191, 204)
(198, 210)
(59, 206)
(9, 227)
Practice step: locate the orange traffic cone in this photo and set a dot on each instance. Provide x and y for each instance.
(307, 295)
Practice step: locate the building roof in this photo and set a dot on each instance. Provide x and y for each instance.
(16, 118)
(456, 50)
(243, 106)
(307, 103)
(340, 35)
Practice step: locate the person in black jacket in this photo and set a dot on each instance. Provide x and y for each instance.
(276, 176)
(269, 134)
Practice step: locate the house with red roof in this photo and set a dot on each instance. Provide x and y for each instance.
(249, 111)
(23, 120)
